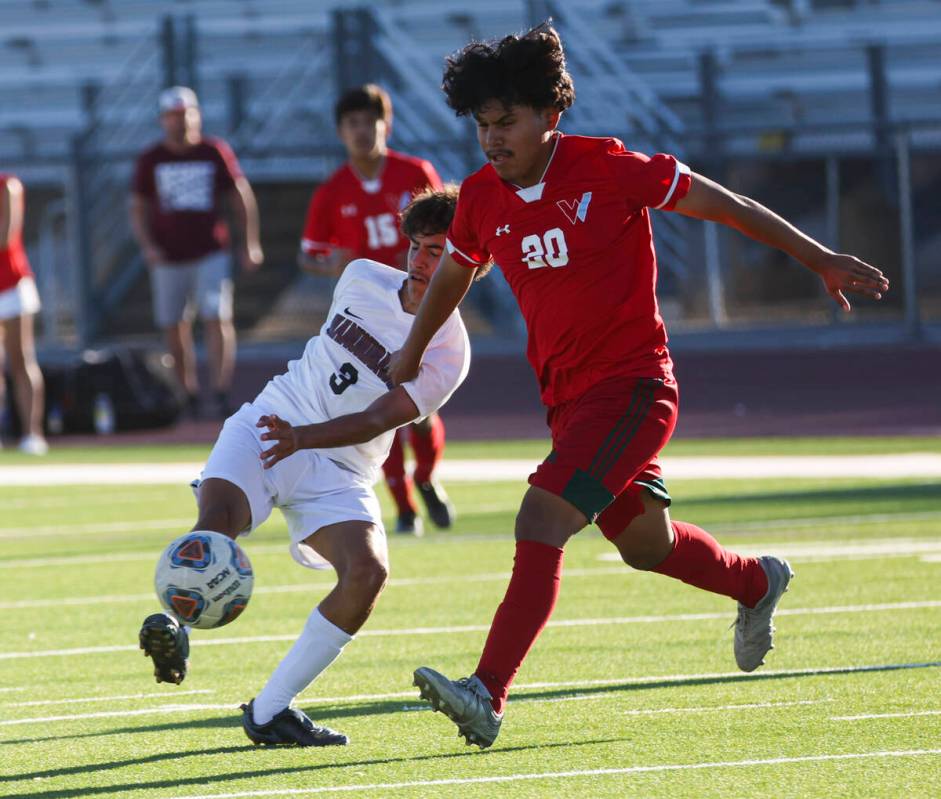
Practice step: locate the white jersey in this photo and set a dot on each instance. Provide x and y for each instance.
(342, 370)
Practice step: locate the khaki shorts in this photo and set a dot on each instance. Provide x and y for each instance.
(179, 290)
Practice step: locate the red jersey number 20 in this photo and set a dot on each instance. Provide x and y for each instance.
(550, 249)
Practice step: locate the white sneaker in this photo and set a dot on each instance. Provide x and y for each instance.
(754, 631)
(33, 445)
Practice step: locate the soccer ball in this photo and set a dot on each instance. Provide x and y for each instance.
(204, 579)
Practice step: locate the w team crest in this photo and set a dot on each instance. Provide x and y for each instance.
(575, 210)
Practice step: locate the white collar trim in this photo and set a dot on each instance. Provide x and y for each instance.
(534, 192)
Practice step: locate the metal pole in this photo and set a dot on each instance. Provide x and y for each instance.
(80, 233)
(168, 50)
(48, 274)
(907, 235)
(714, 276)
(833, 220)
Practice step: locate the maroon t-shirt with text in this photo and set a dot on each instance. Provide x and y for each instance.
(185, 191)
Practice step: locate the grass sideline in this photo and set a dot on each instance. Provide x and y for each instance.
(631, 692)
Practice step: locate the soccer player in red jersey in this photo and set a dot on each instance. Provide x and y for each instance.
(567, 219)
(19, 304)
(355, 214)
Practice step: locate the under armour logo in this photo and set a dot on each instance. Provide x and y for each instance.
(502, 230)
(576, 210)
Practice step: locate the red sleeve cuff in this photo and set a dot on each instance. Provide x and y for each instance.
(679, 188)
(463, 258)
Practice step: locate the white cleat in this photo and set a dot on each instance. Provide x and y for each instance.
(754, 631)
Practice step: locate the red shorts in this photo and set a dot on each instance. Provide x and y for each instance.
(604, 449)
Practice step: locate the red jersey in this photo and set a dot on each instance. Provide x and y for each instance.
(13, 263)
(185, 189)
(362, 215)
(577, 251)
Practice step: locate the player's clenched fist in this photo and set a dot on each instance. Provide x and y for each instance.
(281, 432)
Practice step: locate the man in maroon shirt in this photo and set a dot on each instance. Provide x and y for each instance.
(567, 220)
(179, 190)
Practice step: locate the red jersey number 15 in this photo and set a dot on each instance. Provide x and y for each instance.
(550, 249)
(381, 231)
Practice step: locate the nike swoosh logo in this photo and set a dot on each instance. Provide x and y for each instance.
(348, 312)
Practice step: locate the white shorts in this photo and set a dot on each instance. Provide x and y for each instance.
(311, 490)
(19, 300)
(203, 285)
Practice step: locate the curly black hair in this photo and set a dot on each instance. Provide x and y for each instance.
(516, 70)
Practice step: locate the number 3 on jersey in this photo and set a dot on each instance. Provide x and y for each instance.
(381, 230)
(343, 378)
(550, 249)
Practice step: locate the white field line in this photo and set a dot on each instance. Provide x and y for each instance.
(298, 588)
(916, 464)
(83, 699)
(829, 521)
(836, 550)
(559, 775)
(887, 715)
(614, 684)
(176, 525)
(96, 527)
(107, 714)
(104, 497)
(478, 628)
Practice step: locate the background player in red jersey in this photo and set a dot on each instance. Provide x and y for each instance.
(355, 214)
(567, 219)
(19, 303)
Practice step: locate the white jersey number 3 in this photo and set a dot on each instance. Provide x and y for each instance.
(549, 250)
(382, 231)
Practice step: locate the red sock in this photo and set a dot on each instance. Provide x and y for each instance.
(400, 485)
(699, 560)
(526, 607)
(428, 448)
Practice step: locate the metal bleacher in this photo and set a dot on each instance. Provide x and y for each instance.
(788, 74)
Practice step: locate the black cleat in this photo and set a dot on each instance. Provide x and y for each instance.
(439, 506)
(410, 524)
(167, 644)
(290, 727)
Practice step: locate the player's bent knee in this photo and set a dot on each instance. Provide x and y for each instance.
(366, 575)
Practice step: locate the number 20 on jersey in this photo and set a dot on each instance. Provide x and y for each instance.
(549, 249)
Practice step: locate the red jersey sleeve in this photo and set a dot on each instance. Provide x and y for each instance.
(143, 181)
(319, 236)
(658, 181)
(463, 241)
(230, 170)
(432, 178)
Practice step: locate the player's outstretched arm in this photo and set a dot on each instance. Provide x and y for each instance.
(839, 272)
(447, 288)
(393, 409)
(330, 264)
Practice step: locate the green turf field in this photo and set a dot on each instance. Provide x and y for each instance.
(632, 691)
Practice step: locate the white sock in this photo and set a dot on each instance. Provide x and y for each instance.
(319, 645)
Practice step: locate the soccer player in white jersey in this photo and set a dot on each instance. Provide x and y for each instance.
(331, 419)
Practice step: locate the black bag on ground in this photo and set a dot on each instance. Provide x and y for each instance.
(112, 389)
